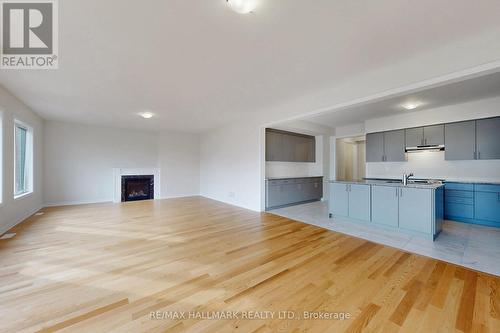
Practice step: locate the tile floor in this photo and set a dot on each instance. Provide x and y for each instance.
(468, 245)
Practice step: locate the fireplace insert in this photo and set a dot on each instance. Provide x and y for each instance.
(135, 188)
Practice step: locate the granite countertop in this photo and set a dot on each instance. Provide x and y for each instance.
(278, 178)
(382, 183)
(473, 181)
(448, 180)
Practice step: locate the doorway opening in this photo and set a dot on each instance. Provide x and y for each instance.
(351, 159)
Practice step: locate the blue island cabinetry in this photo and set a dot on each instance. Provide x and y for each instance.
(350, 200)
(473, 203)
(411, 209)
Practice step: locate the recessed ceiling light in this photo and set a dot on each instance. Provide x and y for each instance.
(411, 105)
(146, 115)
(243, 6)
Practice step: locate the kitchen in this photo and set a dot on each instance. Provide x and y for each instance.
(431, 180)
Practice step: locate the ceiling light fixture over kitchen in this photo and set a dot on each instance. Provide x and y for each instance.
(146, 115)
(243, 6)
(412, 105)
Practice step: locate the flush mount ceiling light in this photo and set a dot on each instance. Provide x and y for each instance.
(146, 115)
(411, 105)
(243, 6)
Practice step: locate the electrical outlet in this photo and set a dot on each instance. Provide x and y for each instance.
(232, 194)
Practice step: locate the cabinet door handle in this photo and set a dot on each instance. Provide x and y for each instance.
(478, 155)
(401, 192)
(475, 155)
(397, 190)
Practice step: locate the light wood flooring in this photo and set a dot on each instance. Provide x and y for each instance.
(107, 267)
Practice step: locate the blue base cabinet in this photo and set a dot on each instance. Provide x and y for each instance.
(415, 210)
(473, 203)
(359, 202)
(339, 199)
(350, 200)
(385, 205)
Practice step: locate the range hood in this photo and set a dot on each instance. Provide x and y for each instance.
(424, 148)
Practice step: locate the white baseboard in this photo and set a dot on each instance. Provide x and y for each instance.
(75, 203)
(232, 203)
(180, 196)
(4, 229)
(89, 202)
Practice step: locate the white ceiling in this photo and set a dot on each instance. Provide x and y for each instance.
(487, 86)
(198, 65)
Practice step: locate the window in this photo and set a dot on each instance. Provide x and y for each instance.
(1, 156)
(23, 159)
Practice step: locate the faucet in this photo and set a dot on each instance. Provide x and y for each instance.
(406, 178)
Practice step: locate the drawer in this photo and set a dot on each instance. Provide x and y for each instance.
(457, 193)
(459, 200)
(487, 188)
(459, 186)
(459, 210)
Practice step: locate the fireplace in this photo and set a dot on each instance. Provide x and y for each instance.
(135, 188)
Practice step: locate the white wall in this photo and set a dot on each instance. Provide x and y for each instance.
(232, 165)
(79, 161)
(179, 162)
(433, 164)
(14, 211)
(350, 130)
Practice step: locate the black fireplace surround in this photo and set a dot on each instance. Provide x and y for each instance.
(135, 188)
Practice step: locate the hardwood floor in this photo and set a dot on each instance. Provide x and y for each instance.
(107, 267)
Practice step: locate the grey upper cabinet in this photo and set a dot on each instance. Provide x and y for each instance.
(425, 136)
(434, 135)
(375, 147)
(460, 140)
(385, 146)
(301, 147)
(414, 137)
(274, 146)
(488, 138)
(394, 146)
(289, 147)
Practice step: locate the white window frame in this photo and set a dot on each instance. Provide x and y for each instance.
(29, 159)
(1, 157)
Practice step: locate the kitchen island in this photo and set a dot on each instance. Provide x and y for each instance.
(414, 208)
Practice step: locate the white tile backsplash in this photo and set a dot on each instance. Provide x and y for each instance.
(429, 164)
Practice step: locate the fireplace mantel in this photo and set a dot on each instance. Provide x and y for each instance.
(119, 172)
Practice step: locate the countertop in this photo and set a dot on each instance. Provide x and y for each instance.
(279, 178)
(472, 181)
(448, 180)
(382, 183)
